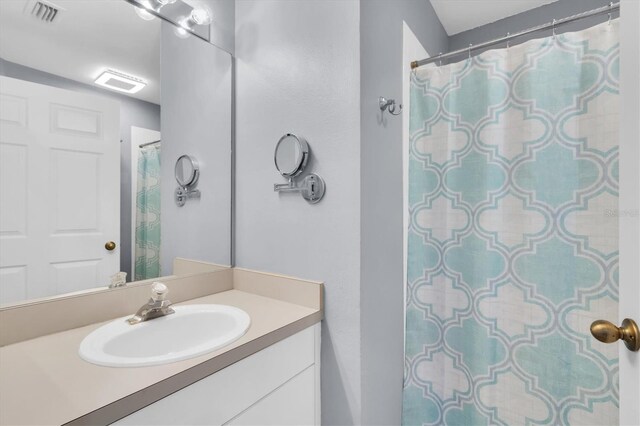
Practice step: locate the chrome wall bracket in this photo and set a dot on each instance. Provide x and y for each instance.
(312, 188)
(389, 105)
(182, 194)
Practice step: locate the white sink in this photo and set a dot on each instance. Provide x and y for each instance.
(191, 331)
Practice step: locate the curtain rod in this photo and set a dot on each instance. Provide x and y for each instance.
(142, 145)
(553, 24)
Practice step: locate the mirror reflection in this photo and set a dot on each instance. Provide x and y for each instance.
(186, 171)
(290, 154)
(92, 123)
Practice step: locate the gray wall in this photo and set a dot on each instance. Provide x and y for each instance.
(196, 120)
(382, 304)
(292, 77)
(133, 112)
(298, 70)
(531, 18)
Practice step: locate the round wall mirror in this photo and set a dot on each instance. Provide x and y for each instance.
(186, 171)
(291, 155)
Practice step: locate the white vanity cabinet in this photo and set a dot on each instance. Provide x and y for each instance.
(279, 385)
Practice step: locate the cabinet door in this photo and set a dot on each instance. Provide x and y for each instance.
(290, 404)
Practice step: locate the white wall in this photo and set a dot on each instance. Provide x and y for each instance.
(196, 120)
(298, 71)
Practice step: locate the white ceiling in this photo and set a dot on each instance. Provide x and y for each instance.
(462, 15)
(89, 37)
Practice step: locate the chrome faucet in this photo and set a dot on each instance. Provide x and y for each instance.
(157, 306)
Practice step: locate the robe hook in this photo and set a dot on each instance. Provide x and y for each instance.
(389, 105)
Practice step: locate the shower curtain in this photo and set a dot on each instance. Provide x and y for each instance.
(147, 233)
(513, 235)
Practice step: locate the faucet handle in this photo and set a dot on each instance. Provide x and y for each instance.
(158, 291)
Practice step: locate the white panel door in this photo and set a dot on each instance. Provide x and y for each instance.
(59, 190)
(629, 219)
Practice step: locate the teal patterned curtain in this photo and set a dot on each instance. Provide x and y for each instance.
(148, 214)
(513, 235)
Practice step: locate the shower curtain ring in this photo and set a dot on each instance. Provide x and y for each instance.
(554, 28)
(508, 41)
(610, 12)
(470, 44)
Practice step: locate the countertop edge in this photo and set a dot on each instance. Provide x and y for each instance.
(130, 404)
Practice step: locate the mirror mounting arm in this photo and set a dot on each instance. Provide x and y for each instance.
(312, 188)
(183, 193)
(286, 187)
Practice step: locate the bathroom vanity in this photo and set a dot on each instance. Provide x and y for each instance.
(278, 385)
(270, 375)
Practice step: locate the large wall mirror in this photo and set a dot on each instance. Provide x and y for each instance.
(98, 101)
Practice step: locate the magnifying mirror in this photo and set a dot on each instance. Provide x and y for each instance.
(291, 155)
(186, 171)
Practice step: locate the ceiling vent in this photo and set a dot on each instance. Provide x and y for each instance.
(44, 11)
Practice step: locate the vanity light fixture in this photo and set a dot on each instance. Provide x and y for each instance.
(144, 14)
(120, 82)
(147, 5)
(197, 17)
(149, 9)
(181, 32)
(156, 5)
(200, 17)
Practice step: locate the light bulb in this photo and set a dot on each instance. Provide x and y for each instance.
(200, 17)
(143, 14)
(181, 32)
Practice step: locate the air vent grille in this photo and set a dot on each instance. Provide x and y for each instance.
(45, 12)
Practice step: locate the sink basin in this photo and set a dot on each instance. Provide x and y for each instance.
(191, 331)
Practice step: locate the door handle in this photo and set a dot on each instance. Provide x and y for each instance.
(608, 333)
(110, 245)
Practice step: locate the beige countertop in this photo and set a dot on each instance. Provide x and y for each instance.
(44, 380)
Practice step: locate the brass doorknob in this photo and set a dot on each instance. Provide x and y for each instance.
(110, 245)
(608, 333)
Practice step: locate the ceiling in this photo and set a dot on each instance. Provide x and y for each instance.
(462, 15)
(86, 38)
